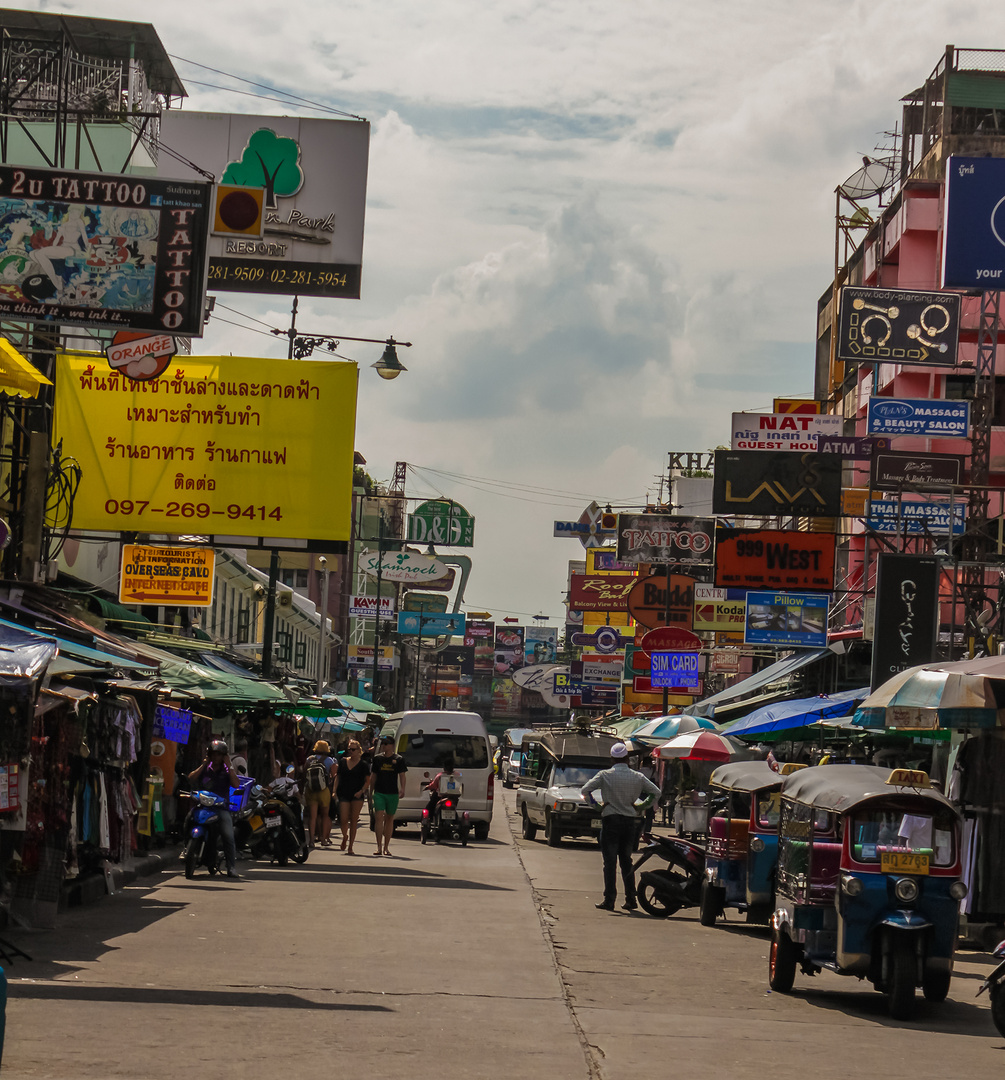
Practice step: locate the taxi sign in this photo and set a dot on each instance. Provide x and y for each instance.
(172, 576)
(915, 778)
(790, 767)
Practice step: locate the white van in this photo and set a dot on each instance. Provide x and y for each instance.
(428, 739)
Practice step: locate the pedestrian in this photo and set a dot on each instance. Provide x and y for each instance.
(351, 779)
(387, 782)
(318, 773)
(619, 787)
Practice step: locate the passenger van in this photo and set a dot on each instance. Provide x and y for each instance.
(426, 740)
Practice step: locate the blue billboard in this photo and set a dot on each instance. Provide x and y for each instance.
(430, 623)
(915, 518)
(675, 670)
(787, 618)
(918, 416)
(973, 242)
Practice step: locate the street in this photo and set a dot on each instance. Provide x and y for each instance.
(489, 961)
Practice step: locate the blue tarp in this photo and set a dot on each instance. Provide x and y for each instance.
(23, 654)
(748, 687)
(798, 713)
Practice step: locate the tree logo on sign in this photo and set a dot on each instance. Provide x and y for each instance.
(270, 161)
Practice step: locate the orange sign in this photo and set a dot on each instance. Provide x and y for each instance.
(853, 501)
(798, 405)
(772, 559)
(650, 606)
(174, 576)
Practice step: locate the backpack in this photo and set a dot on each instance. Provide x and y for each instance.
(317, 774)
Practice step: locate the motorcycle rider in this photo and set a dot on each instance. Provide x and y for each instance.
(434, 785)
(218, 775)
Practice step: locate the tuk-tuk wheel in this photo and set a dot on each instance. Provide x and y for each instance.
(782, 959)
(935, 984)
(711, 903)
(903, 971)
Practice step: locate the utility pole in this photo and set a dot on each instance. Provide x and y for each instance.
(376, 621)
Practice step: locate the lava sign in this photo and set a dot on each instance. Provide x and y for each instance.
(675, 670)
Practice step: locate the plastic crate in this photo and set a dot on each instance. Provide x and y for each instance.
(239, 795)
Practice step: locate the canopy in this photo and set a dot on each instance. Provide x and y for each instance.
(84, 652)
(780, 671)
(360, 705)
(663, 728)
(23, 655)
(788, 716)
(208, 684)
(746, 776)
(17, 376)
(842, 787)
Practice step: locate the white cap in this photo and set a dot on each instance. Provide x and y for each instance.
(619, 750)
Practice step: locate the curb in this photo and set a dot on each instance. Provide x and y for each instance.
(94, 887)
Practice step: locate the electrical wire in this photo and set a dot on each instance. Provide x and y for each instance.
(250, 329)
(244, 315)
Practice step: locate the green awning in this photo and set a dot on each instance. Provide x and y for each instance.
(317, 712)
(360, 705)
(210, 684)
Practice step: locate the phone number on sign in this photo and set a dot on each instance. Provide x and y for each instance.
(235, 511)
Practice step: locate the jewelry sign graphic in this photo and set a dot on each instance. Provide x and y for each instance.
(898, 326)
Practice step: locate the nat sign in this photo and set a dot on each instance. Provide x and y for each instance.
(766, 559)
(774, 482)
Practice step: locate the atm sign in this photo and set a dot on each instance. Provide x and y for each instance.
(675, 669)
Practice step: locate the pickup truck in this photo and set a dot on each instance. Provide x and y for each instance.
(554, 766)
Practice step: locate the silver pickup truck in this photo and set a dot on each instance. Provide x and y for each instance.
(555, 765)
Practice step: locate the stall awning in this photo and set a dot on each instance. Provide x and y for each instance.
(77, 651)
(23, 655)
(18, 376)
(360, 705)
(748, 688)
(211, 684)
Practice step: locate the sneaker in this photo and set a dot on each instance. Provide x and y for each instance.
(629, 907)
(235, 876)
(604, 906)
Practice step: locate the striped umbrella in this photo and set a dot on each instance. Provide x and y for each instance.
(698, 746)
(663, 728)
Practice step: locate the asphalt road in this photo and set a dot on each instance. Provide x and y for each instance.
(488, 961)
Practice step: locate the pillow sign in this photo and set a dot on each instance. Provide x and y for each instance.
(675, 670)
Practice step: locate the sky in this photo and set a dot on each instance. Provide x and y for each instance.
(604, 227)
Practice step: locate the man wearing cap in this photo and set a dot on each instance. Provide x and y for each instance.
(387, 782)
(619, 787)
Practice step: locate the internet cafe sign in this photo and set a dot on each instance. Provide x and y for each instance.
(659, 538)
(441, 521)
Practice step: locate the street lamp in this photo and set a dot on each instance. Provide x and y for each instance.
(303, 345)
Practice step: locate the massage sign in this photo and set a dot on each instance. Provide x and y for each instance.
(114, 251)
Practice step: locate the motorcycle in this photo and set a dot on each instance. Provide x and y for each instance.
(202, 832)
(272, 824)
(995, 986)
(445, 821)
(663, 892)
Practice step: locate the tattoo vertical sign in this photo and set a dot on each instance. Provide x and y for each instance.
(907, 609)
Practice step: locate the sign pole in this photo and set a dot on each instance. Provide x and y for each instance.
(666, 622)
(270, 615)
(376, 621)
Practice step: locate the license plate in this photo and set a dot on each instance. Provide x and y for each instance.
(255, 822)
(273, 823)
(903, 862)
(448, 815)
(596, 822)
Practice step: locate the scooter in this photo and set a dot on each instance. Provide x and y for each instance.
(995, 986)
(445, 821)
(663, 892)
(284, 821)
(202, 832)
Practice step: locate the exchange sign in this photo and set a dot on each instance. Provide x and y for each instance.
(664, 539)
(173, 576)
(760, 558)
(898, 326)
(441, 521)
(789, 619)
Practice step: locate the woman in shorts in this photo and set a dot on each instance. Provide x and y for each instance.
(350, 790)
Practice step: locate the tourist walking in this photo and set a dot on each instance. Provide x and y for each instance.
(619, 787)
(387, 781)
(351, 779)
(319, 770)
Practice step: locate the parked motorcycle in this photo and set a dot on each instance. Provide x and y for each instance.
(995, 986)
(202, 833)
(445, 821)
(677, 885)
(272, 824)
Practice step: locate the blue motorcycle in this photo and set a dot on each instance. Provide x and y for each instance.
(202, 832)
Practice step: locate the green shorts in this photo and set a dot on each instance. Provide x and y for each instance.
(387, 803)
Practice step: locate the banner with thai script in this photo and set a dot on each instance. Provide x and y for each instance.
(226, 446)
(782, 431)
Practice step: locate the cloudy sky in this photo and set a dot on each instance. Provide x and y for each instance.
(604, 226)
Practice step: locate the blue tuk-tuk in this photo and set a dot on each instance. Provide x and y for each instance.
(868, 881)
(742, 844)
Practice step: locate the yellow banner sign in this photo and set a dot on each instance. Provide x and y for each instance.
(220, 445)
(178, 576)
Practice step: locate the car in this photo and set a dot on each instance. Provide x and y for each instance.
(509, 767)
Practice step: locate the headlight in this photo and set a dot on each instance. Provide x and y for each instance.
(851, 886)
(567, 807)
(906, 890)
(206, 799)
(756, 844)
(957, 890)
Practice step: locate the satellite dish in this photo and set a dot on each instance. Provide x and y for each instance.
(872, 179)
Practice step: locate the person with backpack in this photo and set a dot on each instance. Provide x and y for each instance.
(318, 773)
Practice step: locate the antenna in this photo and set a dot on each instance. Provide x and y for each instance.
(875, 176)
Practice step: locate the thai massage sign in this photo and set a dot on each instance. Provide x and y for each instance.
(222, 445)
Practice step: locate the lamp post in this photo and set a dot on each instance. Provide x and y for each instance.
(323, 605)
(376, 620)
(303, 345)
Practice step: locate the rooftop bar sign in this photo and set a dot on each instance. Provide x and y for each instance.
(918, 416)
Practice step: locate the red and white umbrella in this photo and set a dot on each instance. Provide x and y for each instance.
(697, 746)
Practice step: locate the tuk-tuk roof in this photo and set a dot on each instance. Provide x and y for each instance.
(573, 745)
(746, 776)
(842, 787)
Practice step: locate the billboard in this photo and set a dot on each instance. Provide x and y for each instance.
(202, 452)
(916, 518)
(540, 645)
(365, 607)
(481, 636)
(659, 538)
(907, 607)
(856, 447)
(782, 431)
(891, 471)
(726, 614)
(506, 696)
(675, 671)
(918, 416)
(898, 326)
(789, 619)
(441, 521)
(797, 405)
(599, 592)
(650, 606)
(508, 651)
(431, 623)
(772, 482)
(174, 576)
(774, 559)
(973, 244)
(314, 175)
(98, 249)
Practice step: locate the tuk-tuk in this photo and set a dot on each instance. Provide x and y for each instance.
(868, 881)
(742, 841)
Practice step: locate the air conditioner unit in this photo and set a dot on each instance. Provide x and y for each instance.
(285, 599)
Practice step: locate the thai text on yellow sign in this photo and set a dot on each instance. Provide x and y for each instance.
(220, 445)
(180, 576)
